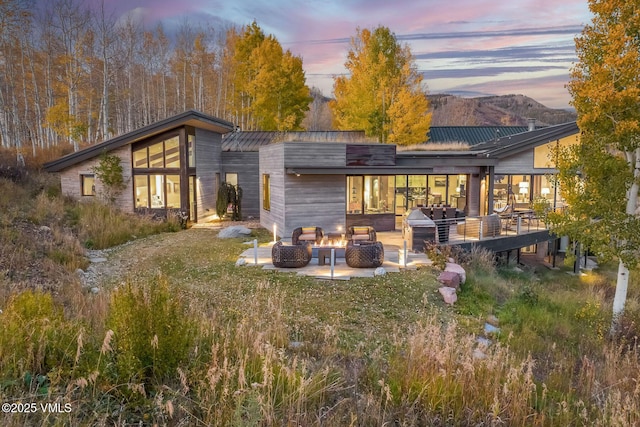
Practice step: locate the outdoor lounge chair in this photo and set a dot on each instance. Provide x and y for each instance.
(294, 256)
(367, 255)
(307, 234)
(361, 233)
(503, 210)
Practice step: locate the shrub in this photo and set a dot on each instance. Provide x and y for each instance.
(481, 260)
(101, 226)
(153, 332)
(109, 172)
(436, 254)
(34, 337)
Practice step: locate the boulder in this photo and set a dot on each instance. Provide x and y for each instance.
(457, 268)
(489, 329)
(450, 279)
(240, 262)
(448, 294)
(380, 271)
(234, 231)
(493, 320)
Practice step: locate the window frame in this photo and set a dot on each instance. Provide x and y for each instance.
(266, 192)
(83, 184)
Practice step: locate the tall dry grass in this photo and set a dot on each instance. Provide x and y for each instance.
(162, 360)
(100, 226)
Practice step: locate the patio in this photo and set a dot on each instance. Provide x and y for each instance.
(393, 250)
(511, 226)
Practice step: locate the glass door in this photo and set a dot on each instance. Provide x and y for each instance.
(401, 194)
(417, 190)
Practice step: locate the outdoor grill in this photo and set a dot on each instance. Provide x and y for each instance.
(417, 228)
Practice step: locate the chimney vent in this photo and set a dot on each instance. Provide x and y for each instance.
(532, 124)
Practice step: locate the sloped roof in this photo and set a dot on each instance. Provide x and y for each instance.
(188, 118)
(472, 135)
(253, 140)
(513, 144)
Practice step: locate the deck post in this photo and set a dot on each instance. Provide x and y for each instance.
(404, 254)
(333, 261)
(255, 251)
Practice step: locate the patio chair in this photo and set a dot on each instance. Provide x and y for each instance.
(307, 234)
(361, 234)
(437, 213)
(368, 255)
(294, 256)
(503, 210)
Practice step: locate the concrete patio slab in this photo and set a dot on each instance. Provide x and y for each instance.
(341, 271)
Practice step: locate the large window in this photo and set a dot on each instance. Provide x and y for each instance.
(157, 191)
(191, 149)
(163, 154)
(266, 192)
(437, 190)
(156, 169)
(370, 194)
(423, 190)
(88, 185)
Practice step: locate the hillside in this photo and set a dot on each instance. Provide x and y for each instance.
(450, 110)
(506, 110)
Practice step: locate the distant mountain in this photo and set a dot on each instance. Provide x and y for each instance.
(505, 110)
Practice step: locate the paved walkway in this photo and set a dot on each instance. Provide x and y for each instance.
(393, 248)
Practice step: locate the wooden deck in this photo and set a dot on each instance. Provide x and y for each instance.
(517, 230)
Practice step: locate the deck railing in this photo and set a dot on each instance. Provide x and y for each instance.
(478, 228)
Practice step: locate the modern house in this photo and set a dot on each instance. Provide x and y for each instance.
(340, 185)
(173, 164)
(240, 158)
(326, 179)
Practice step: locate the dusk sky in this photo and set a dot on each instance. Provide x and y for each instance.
(463, 47)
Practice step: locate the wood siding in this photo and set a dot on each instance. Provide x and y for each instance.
(208, 161)
(473, 195)
(520, 164)
(71, 185)
(370, 155)
(305, 200)
(305, 154)
(272, 163)
(245, 164)
(315, 200)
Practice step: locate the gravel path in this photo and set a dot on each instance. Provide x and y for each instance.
(112, 264)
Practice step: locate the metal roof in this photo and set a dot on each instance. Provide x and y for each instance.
(512, 144)
(472, 135)
(253, 140)
(188, 118)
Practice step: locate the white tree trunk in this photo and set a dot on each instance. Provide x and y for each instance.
(621, 295)
(622, 283)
